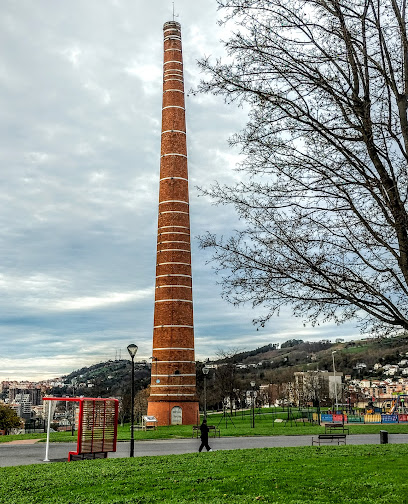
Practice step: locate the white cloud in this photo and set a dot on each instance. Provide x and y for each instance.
(111, 298)
(73, 55)
(80, 124)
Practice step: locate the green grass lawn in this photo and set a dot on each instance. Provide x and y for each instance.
(239, 425)
(330, 474)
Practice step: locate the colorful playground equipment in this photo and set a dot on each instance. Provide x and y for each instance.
(397, 412)
(399, 405)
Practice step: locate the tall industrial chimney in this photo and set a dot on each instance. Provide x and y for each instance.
(173, 398)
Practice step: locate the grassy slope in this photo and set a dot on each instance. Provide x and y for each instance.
(345, 474)
(264, 426)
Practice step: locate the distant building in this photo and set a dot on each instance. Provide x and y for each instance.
(22, 406)
(33, 392)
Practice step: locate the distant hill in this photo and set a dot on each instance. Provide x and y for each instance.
(356, 358)
(269, 363)
(110, 378)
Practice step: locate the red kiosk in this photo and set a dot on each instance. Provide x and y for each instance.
(97, 421)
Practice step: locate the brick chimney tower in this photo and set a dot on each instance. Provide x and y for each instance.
(173, 398)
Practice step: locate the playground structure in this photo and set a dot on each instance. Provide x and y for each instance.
(399, 405)
(397, 412)
(381, 418)
(96, 420)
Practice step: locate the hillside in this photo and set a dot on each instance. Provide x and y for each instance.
(268, 363)
(356, 358)
(110, 378)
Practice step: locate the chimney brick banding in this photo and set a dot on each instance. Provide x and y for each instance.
(173, 377)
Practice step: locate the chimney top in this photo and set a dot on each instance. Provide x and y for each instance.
(171, 24)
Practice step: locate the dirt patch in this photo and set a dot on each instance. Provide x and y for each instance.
(22, 442)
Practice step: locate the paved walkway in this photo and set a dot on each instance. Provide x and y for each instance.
(12, 454)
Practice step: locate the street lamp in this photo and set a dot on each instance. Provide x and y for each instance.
(205, 373)
(335, 382)
(253, 403)
(132, 349)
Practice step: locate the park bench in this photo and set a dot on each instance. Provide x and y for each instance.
(143, 427)
(137, 427)
(212, 430)
(330, 427)
(329, 438)
(86, 456)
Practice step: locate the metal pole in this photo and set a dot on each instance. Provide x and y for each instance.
(253, 409)
(335, 382)
(132, 414)
(205, 397)
(47, 446)
(253, 383)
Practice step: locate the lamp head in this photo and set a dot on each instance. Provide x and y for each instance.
(206, 370)
(132, 349)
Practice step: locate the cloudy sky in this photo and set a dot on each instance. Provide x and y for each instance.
(80, 94)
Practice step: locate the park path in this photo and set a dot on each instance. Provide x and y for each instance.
(24, 454)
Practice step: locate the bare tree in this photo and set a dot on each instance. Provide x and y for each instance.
(226, 378)
(312, 388)
(140, 404)
(326, 146)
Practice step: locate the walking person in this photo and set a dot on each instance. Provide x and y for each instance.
(204, 436)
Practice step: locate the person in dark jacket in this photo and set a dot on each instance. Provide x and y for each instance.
(204, 436)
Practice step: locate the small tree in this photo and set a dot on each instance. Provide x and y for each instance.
(140, 405)
(315, 388)
(291, 343)
(124, 407)
(8, 419)
(226, 382)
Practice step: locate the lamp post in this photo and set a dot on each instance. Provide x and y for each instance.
(335, 382)
(132, 349)
(253, 403)
(205, 373)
